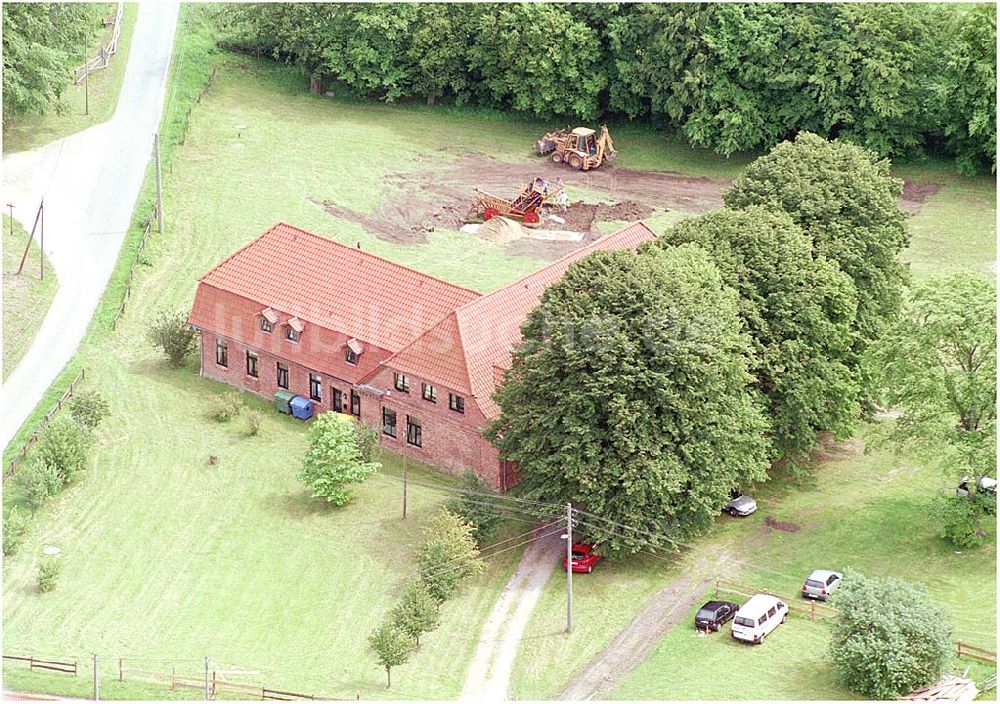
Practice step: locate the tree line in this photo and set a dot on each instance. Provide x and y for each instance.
(899, 79)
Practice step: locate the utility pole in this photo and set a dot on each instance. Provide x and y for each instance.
(206, 679)
(86, 73)
(159, 185)
(41, 242)
(31, 236)
(569, 567)
(11, 206)
(404, 483)
(97, 681)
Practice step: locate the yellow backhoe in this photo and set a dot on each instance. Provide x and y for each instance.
(582, 148)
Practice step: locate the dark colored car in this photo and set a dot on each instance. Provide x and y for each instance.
(584, 558)
(713, 614)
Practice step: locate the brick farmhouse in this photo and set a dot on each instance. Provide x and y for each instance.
(412, 355)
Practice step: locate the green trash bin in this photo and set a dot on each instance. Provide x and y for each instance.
(282, 401)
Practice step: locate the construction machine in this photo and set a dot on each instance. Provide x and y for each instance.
(582, 148)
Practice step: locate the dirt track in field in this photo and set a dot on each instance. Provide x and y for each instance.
(442, 194)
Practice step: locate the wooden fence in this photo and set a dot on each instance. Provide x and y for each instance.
(965, 650)
(215, 682)
(812, 609)
(131, 270)
(104, 53)
(197, 99)
(66, 666)
(36, 433)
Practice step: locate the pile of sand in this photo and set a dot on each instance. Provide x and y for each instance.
(500, 230)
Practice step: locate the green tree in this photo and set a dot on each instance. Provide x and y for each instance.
(439, 41)
(392, 647)
(15, 525)
(65, 446)
(48, 574)
(417, 612)
(448, 555)
(629, 396)
(798, 311)
(334, 461)
(476, 508)
(845, 200)
(171, 333)
(89, 408)
(36, 482)
(888, 638)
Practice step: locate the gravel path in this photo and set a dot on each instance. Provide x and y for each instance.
(489, 673)
(90, 181)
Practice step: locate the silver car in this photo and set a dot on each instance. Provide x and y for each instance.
(741, 505)
(821, 584)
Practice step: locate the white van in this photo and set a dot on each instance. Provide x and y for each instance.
(758, 617)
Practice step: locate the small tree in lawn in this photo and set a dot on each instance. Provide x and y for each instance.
(392, 647)
(89, 408)
(448, 554)
(476, 507)
(36, 482)
(417, 611)
(889, 638)
(171, 333)
(15, 525)
(334, 459)
(65, 446)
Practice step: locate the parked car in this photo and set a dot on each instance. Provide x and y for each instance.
(821, 584)
(985, 484)
(758, 617)
(741, 505)
(713, 614)
(584, 558)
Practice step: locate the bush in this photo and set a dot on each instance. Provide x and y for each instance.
(889, 638)
(392, 646)
(417, 612)
(89, 408)
(366, 439)
(334, 459)
(48, 574)
(65, 446)
(961, 519)
(227, 407)
(448, 554)
(477, 508)
(14, 527)
(171, 333)
(254, 418)
(36, 482)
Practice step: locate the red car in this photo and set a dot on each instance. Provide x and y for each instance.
(584, 558)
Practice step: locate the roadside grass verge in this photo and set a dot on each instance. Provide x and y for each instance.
(26, 297)
(32, 131)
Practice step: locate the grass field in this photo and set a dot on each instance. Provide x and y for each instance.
(32, 131)
(26, 297)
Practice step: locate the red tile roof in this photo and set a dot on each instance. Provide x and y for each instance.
(326, 284)
(465, 350)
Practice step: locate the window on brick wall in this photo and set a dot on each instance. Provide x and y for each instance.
(282, 375)
(413, 432)
(265, 324)
(338, 400)
(430, 394)
(251, 364)
(350, 356)
(456, 403)
(355, 403)
(291, 334)
(315, 387)
(221, 353)
(402, 383)
(389, 422)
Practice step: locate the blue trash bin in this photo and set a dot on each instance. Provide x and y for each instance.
(302, 408)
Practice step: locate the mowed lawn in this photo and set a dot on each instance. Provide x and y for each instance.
(26, 296)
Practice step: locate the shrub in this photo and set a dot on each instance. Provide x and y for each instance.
(476, 507)
(171, 333)
(65, 446)
(417, 611)
(448, 554)
(48, 574)
(14, 527)
(37, 481)
(889, 638)
(254, 418)
(961, 519)
(366, 439)
(89, 408)
(227, 406)
(334, 460)
(392, 646)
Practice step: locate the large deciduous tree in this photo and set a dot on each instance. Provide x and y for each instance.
(798, 311)
(844, 199)
(888, 638)
(629, 395)
(334, 459)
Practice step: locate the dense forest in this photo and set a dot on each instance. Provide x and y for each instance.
(901, 79)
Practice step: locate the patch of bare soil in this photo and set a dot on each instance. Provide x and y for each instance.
(914, 195)
(829, 449)
(783, 526)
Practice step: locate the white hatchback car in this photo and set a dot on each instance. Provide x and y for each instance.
(758, 617)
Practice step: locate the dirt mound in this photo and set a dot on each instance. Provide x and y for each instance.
(500, 230)
(628, 210)
(772, 522)
(914, 195)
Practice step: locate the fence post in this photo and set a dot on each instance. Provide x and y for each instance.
(173, 678)
(121, 673)
(812, 610)
(97, 680)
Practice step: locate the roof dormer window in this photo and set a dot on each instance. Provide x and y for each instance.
(267, 318)
(353, 351)
(293, 330)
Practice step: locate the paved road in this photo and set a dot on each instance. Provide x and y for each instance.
(90, 181)
(489, 674)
